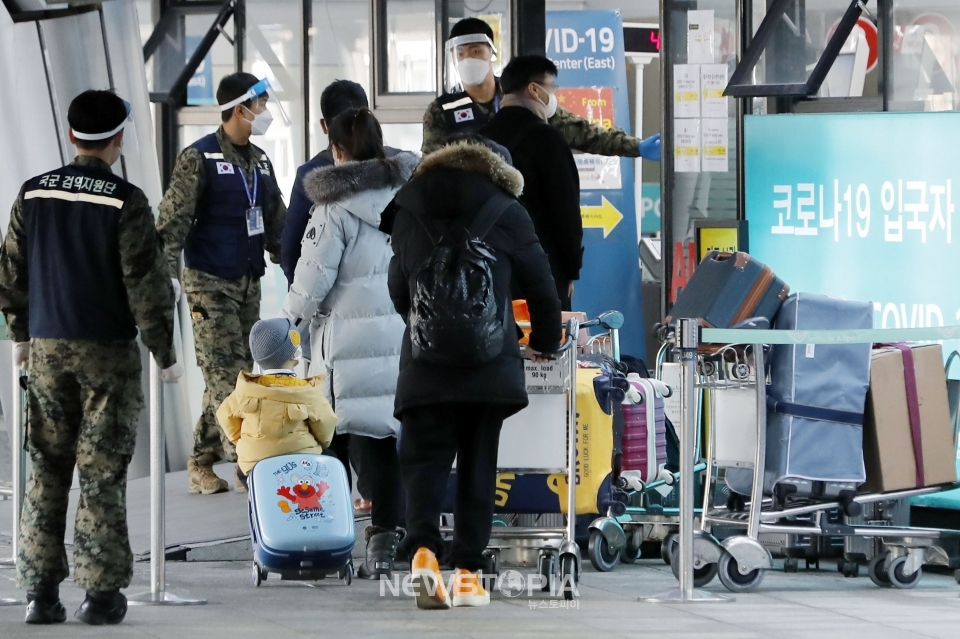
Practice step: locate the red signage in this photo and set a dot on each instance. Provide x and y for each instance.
(593, 103)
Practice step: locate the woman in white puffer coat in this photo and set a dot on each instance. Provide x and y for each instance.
(340, 289)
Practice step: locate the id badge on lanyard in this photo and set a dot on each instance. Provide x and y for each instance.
(254, 213)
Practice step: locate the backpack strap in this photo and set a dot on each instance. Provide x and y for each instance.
(489, 213)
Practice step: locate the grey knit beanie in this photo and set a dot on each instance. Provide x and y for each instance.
(273, 342)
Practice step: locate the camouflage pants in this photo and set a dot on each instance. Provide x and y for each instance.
(84, 401)
(223, 313)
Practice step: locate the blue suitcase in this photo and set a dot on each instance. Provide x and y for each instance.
(301, 518)
(729, 288)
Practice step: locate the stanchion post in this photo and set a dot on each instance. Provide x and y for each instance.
(158, 595)
(15, 429)
(687, 338)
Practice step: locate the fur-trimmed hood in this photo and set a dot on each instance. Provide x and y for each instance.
(330, 184)
(476, 158)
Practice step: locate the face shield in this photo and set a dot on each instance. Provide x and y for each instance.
(467, 61)
(261, 90)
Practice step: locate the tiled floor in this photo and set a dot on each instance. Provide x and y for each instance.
(810, 605)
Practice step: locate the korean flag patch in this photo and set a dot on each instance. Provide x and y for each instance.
(463, 115)
(224, 168)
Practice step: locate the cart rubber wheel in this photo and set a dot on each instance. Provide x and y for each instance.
(568, 576)
(630, 552)
(702, 576)
(735, 581)
(666, 547)
(877, 573)
(791, 564)
(897, 577)
(348, 574)
(601, 556)
(257, 575)
(546, 566)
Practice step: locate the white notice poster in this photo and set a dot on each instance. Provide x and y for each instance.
(714, 134)
(598, 172)
(686, 91)
(713, 80)
(686, 146)
(700, 39)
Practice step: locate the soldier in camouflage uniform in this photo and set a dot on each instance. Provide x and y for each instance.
(81, 269)
(474, 100)
(223, 208)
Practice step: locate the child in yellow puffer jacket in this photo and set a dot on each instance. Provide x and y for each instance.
(275, 413)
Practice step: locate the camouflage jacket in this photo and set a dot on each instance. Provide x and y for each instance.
(146, 277)
(580, 134)
(178, 207)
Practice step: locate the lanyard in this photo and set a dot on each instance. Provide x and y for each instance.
(496, 103)
(246, 187)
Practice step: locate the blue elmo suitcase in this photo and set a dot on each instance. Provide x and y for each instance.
(301, 518)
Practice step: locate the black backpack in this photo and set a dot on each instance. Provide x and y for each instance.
(454, 315)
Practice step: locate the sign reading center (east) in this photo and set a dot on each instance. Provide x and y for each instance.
(588, 49)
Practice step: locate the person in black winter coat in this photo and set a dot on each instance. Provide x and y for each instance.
(448, 411)
(551, 192)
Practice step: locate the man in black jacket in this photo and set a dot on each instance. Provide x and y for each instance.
(448, 411)
(551, 192)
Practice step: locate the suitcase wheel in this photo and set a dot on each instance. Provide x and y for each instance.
(848, 569)
(259, 575)
(346, 573)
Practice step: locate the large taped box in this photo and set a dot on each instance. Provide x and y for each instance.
(901, 451)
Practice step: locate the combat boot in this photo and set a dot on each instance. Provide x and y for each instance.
(102, 608)
(382, 546)
(43, 605)
(202, 479)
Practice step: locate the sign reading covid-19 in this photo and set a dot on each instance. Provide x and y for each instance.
(859, 206)
(587, 47)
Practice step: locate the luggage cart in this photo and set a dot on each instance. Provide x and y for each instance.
(549, 424)
(741, 560)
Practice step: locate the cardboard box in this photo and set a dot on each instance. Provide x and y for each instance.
(887, 441)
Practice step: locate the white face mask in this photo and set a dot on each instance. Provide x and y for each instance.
(473, 71)
(261, 121)
(550, 104)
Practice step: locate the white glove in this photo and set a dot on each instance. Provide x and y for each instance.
(176, 290)
(172, 374)
(21, 354)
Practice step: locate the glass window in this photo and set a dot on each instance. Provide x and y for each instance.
(793, 46)
(410, 46)
(696, 194)
(926, 56)
(340, 51)
(273, 51)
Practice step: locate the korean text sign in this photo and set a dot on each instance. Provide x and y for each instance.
(860, 206)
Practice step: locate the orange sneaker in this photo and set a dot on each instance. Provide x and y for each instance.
(468, 590)
(428, 582)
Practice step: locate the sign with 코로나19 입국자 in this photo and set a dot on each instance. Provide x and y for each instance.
(860, 206)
